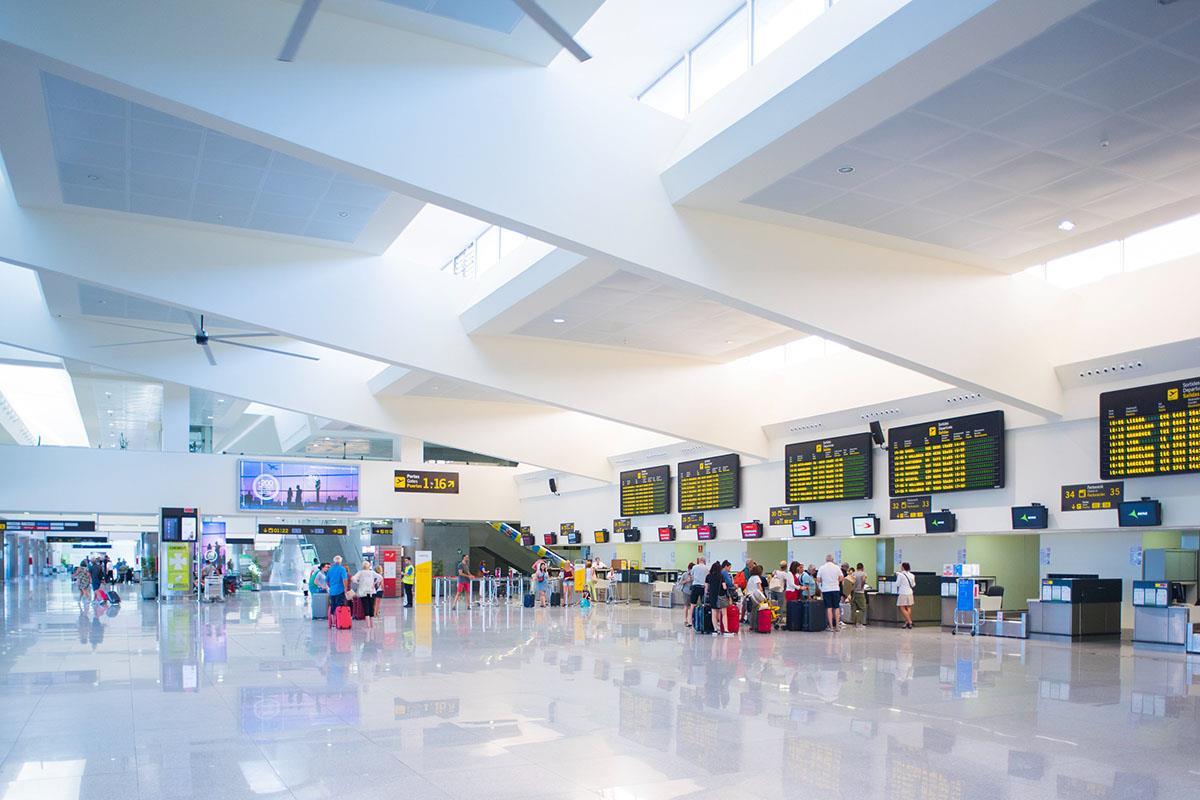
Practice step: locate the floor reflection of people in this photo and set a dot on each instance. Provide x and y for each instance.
(96, 633)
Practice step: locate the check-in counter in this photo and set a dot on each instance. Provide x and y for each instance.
(1158, 617)
(949, 590)
(926, 608)
(1076, 606)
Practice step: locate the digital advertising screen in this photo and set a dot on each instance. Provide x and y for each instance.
(947, 455)
(838, 468)
(297, 486)
(646, 491)
(707, 484)
(1150, 430)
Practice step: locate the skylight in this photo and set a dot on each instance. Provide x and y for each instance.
(44, 399)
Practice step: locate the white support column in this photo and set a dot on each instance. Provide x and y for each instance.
(176, 417)
(411, 450)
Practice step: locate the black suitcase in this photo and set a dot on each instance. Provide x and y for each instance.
(528, 601)
(815, 620)
(556, 598)
(795, 615)
(702, 619)
(113, 597)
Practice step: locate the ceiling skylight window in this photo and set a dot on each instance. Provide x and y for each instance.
(1165, 243)
(1087, 266)
(721, 58)
(776, 21)
(487, 250)
(44, 399)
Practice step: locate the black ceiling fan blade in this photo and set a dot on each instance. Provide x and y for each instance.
(270, 350)
(208, 353)
(557, 32)
(299, 28)
(137, 327)
(197, 324)
(144, 341)
(221, 336)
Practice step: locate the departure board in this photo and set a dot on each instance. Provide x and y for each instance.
(646, 491)
(1150, 430)
(709, 483)
(947, 455)
(828, 469)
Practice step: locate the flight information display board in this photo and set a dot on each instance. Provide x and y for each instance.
(646, 491)
(948, 455)
(302, 530)
(838, 468)
(1150, 430)
(707, 484)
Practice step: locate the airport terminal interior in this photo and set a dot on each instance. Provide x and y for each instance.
(599, 399)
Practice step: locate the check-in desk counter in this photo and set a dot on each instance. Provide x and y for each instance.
(949, 591)
(926, 608)
(655, 577)
(624, 584)
(1077, 606)
(1159, 621)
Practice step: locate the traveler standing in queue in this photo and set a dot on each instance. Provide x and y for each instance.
(858, 600)
(847, 592)
(589, 579)
(568, 581)
(906, 582)
(829, 578)
(699, 576)
(755, 596)
(339, 582)
(407, 579)
(717, 598)
(464, 580)
(318, 582)
(541, 583)
(685, 586)
(367, 584)
(808, 584)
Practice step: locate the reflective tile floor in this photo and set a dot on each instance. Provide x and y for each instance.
(252, 699)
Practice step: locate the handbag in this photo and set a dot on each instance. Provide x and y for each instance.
(776, 584)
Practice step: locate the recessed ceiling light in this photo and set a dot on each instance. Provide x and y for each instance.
(220, 217)
(93, 177)
(343, 214)
(220, 399)
(845, 169)
(108, 394)
(110, 412)
(210, 416)
(558, 320)
(1066, 225)
(729, 341)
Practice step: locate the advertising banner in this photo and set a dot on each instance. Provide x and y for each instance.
(179, 568)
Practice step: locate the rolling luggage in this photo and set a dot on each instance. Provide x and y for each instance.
(790, 596)
(100, 596)
(733, 619)
(702, 620)
(764, 621)
(113, 597)
(815, 619)
(556, 598)
(528, 601)
(320, 605)
(796, 610)
(340, 618)
(356, 608)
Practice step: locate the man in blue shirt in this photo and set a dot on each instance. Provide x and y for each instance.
(339, 580)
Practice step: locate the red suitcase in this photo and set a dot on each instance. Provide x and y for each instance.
(733, 619)
(764, 621)
(790, 596)
(356, 609)
(340, 618)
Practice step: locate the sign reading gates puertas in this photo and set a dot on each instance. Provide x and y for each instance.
(423, 482)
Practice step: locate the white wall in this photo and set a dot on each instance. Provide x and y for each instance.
(76, 480)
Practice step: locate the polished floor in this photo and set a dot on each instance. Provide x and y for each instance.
(252, 699)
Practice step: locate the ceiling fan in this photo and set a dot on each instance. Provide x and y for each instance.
(531, 9)
(201, 337)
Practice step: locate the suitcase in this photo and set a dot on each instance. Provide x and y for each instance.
(320, 605)
(113, 597)
(790, 596)
(733, 619)
(528, 601)
(100, 595)
(796, 611)
(340, 618)
(764, 620)
(356, 609)
(815, 619)
(556, 598)
(702, 619)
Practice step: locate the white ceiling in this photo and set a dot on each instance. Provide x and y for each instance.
(114, 405)
(626, 310)
(121, 156)
(439, 386)
(1096, 121)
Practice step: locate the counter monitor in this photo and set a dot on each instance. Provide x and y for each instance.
(940, 522)
(602, 537)
(550, 539)
(709, 483)
(1034, 517)
(666, 533)
(805, 526)
(947, 455)
(574, 537)
(752, 530)
(866, 525)
(1150, 430)
(633, 535)
(838, 468)
(646, 491)
(706, 532)
(1139, 513)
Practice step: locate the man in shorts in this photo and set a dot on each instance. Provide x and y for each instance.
(696, 596)
(829, 579)
(464, 580)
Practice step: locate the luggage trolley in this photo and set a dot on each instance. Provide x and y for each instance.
(966, 609)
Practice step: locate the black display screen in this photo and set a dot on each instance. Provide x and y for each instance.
(947, 455)
(838, 468)
(1150, 430)
(646, 491)
(707, 484)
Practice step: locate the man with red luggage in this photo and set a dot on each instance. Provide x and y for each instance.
(339, 581)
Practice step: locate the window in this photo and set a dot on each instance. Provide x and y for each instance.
(1085, 267)
(669, 93)
(776, 21)
(1162, 244)
(720, 58)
